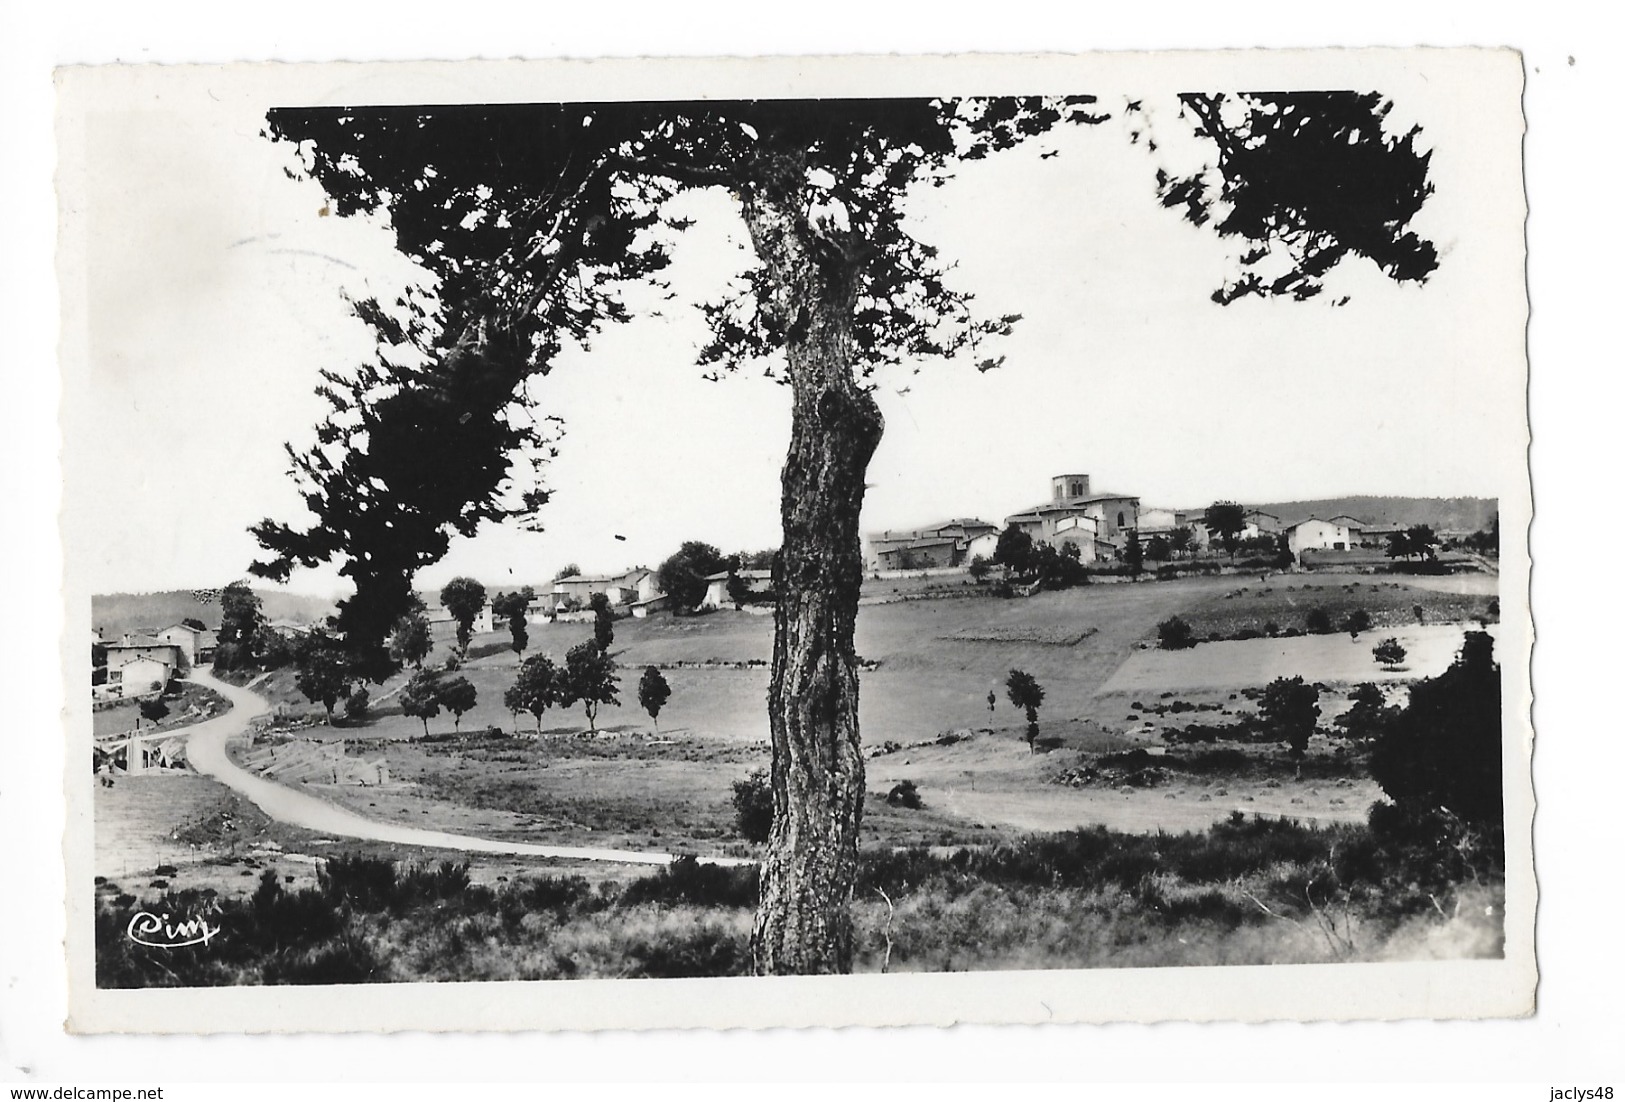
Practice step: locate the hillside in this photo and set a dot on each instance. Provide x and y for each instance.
(1456, 514)
(116, 613)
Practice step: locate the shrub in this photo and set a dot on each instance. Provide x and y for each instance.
(686, 880)
(1175, 634)
(1357, 621)
(905, 794)
(358, 705)
(1318, 622)
(753, 806)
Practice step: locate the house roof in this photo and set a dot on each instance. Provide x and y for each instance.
(1261, 513)
(133, 641)
(1356, 521)
(625, 577)
(1035, 512)
(926, 541)
(656, 599)
(190, 628)
(747, 575)
(150, 644)
(1333, 521)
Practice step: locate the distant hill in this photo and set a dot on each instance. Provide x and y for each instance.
(1456, 514)
(117, 613)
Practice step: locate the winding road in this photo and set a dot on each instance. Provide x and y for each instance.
(206, 751)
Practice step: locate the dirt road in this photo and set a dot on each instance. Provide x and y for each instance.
(206, 751)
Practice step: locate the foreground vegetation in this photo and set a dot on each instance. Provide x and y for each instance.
(1247, 891)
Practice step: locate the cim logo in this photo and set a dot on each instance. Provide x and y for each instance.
(160, 932)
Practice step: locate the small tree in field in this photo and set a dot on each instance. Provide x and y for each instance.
(458, 695)
(1225, 520)
(153, 711)
(753, 806)
(1389, 653)
(603, 621)
(589, 679)
(1014, 550)
(1318, 622)
(463, 598)
(1027, 694)
(324, 675)
(535, 688)
(411, 641)
(653, 692)
(992, 699)
(1357, 621)
(1133, 553)
(515, 608)
(421, 697)
(1290, 708)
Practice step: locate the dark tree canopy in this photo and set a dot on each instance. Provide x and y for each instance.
(682, 577)
(1310, 178)
(1443, 750)
(653, 692)
(1289, 707)
(463, 598)
(536, 688)
(323, 670)
(1225, 520)
(589, 679)
(515, 608)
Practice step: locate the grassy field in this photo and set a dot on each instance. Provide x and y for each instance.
(934, 663)
(1287, 600)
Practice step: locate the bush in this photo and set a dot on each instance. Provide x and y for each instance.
(1175, 634)
(358, 706)
(1357, 621)
(686, 880)
(905, 794)
(1318, 622)
(753, 806)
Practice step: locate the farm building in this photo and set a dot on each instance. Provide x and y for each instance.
(1260, 523)
(946, 543)
(658, 603)
(141, 664)
(1338, 534)
(196, 644)
(625, 588)
(716, 586)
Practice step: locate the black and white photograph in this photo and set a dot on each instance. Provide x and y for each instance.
(896, 540)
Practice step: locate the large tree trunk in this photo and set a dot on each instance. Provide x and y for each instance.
(803, 921)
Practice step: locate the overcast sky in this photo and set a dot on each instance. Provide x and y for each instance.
(214, 297)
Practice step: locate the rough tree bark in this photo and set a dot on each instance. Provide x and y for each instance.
(803, 921)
